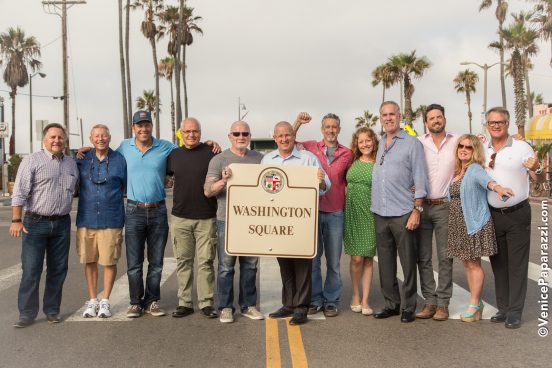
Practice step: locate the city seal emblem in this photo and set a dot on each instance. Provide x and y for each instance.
(273, 181)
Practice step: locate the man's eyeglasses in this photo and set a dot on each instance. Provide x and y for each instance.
(96, 179)
(492, 162)
(462, 146)
(496, 123)
(237, 134)
(190, 132)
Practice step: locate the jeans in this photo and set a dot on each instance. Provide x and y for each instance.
(330, 241)
(225, 281)
(145, 227)
(50, 238)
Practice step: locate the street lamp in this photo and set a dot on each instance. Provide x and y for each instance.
(241, 107)
(42, 75)
(485, 67)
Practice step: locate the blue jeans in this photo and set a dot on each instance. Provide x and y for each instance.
(330, 241)
(225, 280)
(145, 228)
(50, 238)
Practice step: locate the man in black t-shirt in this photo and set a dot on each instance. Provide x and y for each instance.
(193, 221)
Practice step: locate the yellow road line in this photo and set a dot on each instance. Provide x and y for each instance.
(273, 359)
(296, 348)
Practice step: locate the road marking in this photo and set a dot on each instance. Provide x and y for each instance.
(119, 295)
(534, 272)
(273, 359)
(460, 296)
(10, 276)
(296, 347)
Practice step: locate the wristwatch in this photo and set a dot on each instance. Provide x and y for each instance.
(419, 208)
(538, 171)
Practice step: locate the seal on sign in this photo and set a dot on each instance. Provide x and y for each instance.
(272, 181)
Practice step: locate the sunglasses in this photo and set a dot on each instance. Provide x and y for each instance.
(462, 146)
(237, 134)
(492, 162)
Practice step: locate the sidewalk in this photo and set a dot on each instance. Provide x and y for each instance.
(5, 201)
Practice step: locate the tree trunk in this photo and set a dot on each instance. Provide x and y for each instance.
(184, 80)
(173, 123)
(13, 93)
(408, 100)
(468, 102)
(521, 105)
(127, 61)
(383, 95)
(528, 89)
(155, 65)
(502, 77)
(178, 63)
(122, 65)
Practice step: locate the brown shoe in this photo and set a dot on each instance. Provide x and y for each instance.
(442, 314)
(427, 312)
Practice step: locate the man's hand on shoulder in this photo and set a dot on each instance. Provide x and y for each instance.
(81, 152)
(215, 145)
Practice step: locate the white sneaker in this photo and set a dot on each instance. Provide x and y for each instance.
(91, 309)
(226, 316)
(105, 309)
(252, 313)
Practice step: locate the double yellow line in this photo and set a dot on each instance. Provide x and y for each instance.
(295, 340)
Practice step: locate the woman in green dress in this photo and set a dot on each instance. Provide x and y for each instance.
(360, 233)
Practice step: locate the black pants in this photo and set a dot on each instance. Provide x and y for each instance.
(296, 282)
(392, 237)
(511, 263)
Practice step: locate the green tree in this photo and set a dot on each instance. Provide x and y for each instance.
(420, 113)
(465, 82)
(500, 13)
(405, 67)
(367, 120)
(543, 19)
(166, 70)
(148, 101)
(189, 26)
(153, 33)
(17, 51)
(383, 74)
(519, 38)
(536, 99)
(171, 18)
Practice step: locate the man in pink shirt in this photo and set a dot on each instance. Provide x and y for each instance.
(439, 148)
(335, 159)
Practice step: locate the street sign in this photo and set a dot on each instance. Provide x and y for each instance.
(4, 133)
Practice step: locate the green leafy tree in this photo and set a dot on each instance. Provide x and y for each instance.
(384, 76)
(465, 82)
(543, 19)
(148, 101)
(166, 70)
(367, 120)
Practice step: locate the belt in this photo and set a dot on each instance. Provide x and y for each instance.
(42, 217)
(510, 209)
(146, 204)
(436, 202)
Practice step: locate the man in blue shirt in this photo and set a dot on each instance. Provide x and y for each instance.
(100, 217)
(400, 165)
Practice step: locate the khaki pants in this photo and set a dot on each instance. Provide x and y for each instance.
(191, 236)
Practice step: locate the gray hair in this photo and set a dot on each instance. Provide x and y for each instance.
(100, 126)
(53, 125)
(500, 110)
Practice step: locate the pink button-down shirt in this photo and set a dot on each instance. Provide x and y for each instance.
(334, 199)
(440, 164)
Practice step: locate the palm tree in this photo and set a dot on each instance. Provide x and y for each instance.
(519, 39)
(405, 67)
(171, 18)
(123, 70)
(536, 99)
(527, 66)
(543, 18)
(383, 74)
(366, 120)
(189, 25)
(148, 102)
(166, 70)
(500, 13)
(153, 33)
(127, 64)
(465, 82)
(17, 52)
(420, 113)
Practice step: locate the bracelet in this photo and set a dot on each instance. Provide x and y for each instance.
(15, 221)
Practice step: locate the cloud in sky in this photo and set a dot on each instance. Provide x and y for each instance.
(280, 57)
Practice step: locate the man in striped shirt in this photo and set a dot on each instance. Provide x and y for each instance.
(45, 184)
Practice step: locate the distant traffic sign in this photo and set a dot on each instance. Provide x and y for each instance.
(4, 133)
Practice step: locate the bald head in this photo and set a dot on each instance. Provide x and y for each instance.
(239, 124)
(240, 137)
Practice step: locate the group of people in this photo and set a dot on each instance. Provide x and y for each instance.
(388, 196)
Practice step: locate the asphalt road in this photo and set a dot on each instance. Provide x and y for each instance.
(349, 340)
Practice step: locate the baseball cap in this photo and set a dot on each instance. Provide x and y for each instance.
(140, 116)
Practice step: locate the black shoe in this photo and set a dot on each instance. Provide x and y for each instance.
(182, 312)
(53, 318)
(281, 313)
(513, 322)
(386, 313)
(209, 312)
(298, 318)
(407, 316)
(313, 309)
(22, 323)
(498, 317)
(330, 310)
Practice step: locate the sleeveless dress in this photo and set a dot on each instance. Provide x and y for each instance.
(360, 230)
(460, 244)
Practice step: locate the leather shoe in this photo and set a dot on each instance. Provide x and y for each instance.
(386, 313)
(53, 318)
(498, 317)
(427, 312)
(209, 312)
(281, 313)
(513, 322)
(298, 318)
(182, 311)
(330, 310)
(22, 323)
(407, 316)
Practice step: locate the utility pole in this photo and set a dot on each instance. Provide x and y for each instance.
(60, 9)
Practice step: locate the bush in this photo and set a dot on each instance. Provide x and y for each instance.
(13, 166)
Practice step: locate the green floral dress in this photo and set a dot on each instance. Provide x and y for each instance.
(360, 230)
